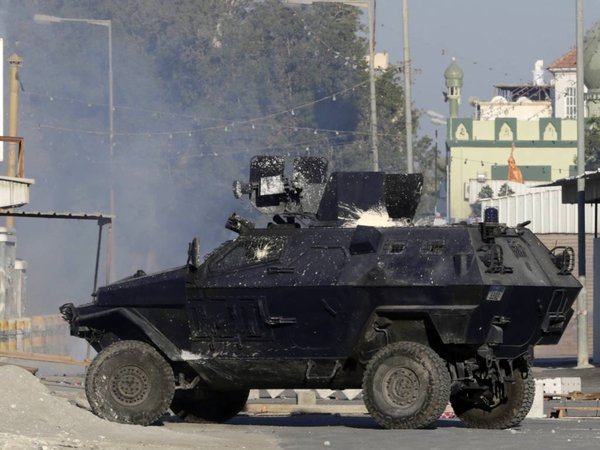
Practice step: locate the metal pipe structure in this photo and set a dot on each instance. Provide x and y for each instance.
(582, 339)
(13, 119)
(45, 19)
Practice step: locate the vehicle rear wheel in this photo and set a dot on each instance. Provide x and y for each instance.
(129, 382)
(406, 385)
(202, 406)
(506, 412)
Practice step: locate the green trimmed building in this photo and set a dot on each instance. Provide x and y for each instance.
(478, 150)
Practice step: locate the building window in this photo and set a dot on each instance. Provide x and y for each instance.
(571, 102)
(530, 173)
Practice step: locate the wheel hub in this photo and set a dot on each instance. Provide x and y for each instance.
(130, 386)
(401, 387)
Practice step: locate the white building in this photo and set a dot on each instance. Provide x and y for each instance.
(564, 72)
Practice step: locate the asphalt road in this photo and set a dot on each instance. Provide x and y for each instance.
(361, 432)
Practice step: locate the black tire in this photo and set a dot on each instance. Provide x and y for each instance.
(202, 406)
(406, 385)
(509, 412)
(129, 382)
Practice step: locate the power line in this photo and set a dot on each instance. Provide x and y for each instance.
(225, 122)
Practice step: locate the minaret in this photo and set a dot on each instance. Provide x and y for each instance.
(591, 70)
(454, 81)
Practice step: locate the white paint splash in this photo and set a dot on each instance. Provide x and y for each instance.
(263, 251)
(374, 217)
(189, 356)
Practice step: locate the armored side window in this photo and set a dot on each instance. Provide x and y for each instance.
(264, 249)
(433, 247)
(395, 248)
(249, 251)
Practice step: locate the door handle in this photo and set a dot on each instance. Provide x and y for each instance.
(274, 270)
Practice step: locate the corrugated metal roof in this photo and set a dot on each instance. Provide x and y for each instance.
(569, 187)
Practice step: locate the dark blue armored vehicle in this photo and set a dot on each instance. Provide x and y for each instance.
(339, 291)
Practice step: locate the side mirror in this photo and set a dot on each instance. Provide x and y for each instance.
(194, 254)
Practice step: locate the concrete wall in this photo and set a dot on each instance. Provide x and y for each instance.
(12, 277)
(523, 111)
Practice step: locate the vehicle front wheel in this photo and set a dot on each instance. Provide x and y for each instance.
(129, 382)
(406, 385)
(505, 412)
(202, 406)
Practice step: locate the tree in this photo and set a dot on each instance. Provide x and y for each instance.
(592, 143)
(505, 190)
(485, 192)
(269, 58)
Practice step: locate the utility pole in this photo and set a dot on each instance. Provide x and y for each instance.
(13, 118)
(407, 90)
(582, 340)
(111, 143)
(435, 170)
(374, 144)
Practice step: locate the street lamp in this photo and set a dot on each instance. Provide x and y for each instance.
(45, 19)
(582, 325)
(370, 6)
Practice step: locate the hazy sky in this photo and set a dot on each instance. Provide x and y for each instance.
(493, 41)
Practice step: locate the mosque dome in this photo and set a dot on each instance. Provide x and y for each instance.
(454, 74)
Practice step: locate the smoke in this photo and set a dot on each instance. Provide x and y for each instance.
(172, 164)
(162, 200)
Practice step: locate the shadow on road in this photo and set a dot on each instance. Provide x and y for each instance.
(324, 420)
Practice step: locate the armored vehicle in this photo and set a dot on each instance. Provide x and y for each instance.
(340, 290)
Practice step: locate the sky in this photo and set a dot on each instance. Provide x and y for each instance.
(494, 42)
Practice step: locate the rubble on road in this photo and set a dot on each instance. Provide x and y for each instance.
(34, 418)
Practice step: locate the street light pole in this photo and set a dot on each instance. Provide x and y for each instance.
(582, 340)
(407, 91)
(373, 92)
(111, 142)
(45, 19)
